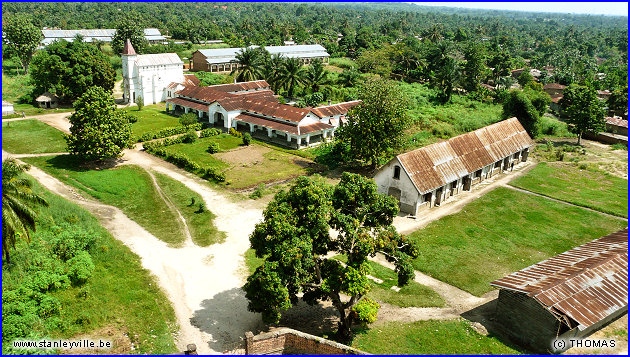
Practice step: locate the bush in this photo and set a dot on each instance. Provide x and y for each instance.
(247, 139)
(235, 133)
(214, 148)
(140, 102)
(189, 137)
(209, 132)
(170, 131)
(188, 119)
(48, 306)
(132, 118)
(210, 173)
(366, 310)
(80, 268)
(258, 192)
(443, 130)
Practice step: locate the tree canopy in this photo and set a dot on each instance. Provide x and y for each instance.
(583, 111)
(295, 241)
(518, 105)
(70, 68)
(130, 26)
(20, 39)
(375, 127)
(98, 130)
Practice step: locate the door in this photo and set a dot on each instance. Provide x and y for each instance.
(467, 183)
(396, 193)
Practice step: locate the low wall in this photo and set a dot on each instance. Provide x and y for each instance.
(607, 138)
(289, 341)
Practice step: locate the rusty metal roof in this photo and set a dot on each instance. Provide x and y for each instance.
(617, 121)
(241, 86)
(583, 285)
(157, 59)
(335, 109)
(187, 103)
(554, 86)
(256, 120)
(437, 164)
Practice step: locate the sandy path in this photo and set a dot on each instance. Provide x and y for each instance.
(17, 156)
(56, 120)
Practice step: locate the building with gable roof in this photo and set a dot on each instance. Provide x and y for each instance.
(427, 176)
(253, 107)
(150, 76)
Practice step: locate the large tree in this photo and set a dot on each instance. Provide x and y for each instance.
(583, 111)
(20, 39)
(517, 104)
(98, 130)
(18, 201)
(297, 246)
(130, 26)
(474, 67)
(316, 76)
(375, 128)
(291, 75)
(70, 68)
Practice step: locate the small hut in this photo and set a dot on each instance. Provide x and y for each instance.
(47, 100)
(7, 108)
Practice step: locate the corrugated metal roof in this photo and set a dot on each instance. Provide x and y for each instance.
(89, 35)
(256, 120)
(436, 165)
(224, 55)
(187, 103)
(157, 59)
(241, 86)
(618, 121)
(335, 109)
(586, 283)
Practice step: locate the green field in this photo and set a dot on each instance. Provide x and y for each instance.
(430, 337)
(31, 136)
(588, 188)
(131, 189)
(151, 118)
(502, 232)
(121, 296)
(198, 151)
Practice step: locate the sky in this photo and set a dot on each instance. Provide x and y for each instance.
(595, 8)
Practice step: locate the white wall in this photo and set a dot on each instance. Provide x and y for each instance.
(385, 179)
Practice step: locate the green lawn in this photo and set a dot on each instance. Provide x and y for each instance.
(130, 188)
(410, 295)
(431, 337)
(150, 118)
(202, 228)
(588, 188)
(502, 232)
(121, 295)
(31, 136)
(271, 165)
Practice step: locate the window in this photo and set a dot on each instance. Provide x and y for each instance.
(397, 172)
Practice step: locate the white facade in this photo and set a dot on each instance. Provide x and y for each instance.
(148, 76)
(7, 108)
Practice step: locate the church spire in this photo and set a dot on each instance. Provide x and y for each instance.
(128, 49)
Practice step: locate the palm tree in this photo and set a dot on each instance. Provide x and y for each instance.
(316, 76)
(349, 77)
(270, 71)
(291, 75)
(17, 198)
(249, 61)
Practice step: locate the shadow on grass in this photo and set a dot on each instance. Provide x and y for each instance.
(485, 315)
(73, 163)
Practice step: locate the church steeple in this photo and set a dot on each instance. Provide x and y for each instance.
(128, 49)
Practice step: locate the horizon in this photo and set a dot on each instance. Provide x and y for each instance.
(577, 8)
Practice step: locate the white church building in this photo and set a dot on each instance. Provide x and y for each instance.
(149, 76)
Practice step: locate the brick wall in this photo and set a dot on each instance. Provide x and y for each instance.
(289, 341)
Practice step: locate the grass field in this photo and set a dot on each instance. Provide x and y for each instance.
(130, 188)
(502, 232)
(245, 166)
(588, 188)
(150, 118)
(431, 337)
(121, 296)
(31, 136)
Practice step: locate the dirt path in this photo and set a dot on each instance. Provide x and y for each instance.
(406, 225)
(17, 156)
(185, 231)
(560, 201)
(56, 120)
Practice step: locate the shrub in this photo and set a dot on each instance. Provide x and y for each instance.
(188, 119)
(132, 118)
(619, 146)
(210, 173)
(443, 130)
(209, 132)
(80, 268)
(247, 139)
(214, 148)
(48, 306)
(235, 133)
(258, 192)
(366, 310)
(140, 102)
(170, 131)
(189, 137)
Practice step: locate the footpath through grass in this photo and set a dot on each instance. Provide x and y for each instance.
(588, 188)
(500, 233)
(432, 337)
(131, 189)
(31, 136)
(120, 296)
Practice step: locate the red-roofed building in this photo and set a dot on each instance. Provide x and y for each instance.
(253, 107)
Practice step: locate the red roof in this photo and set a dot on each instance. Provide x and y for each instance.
(335, 109)
(617, 121)
(256, 120)
(241, 86)
(191, 79)
(187, 103)
(585, 284)
(128, 49)
(554, 86)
